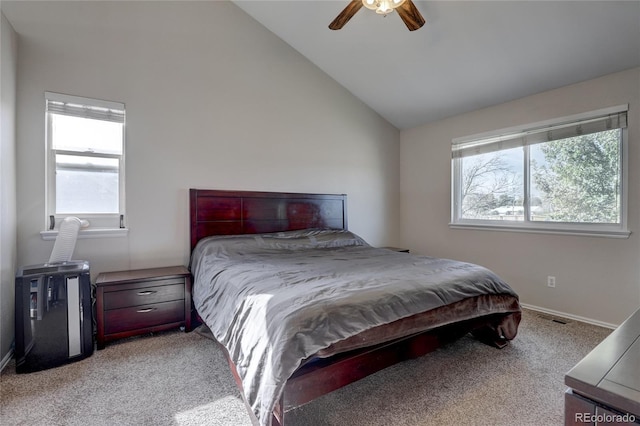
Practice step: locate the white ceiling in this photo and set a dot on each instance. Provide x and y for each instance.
(469, 54)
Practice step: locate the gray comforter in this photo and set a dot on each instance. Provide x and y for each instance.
(274, 300)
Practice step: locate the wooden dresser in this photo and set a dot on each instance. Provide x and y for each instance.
(604, 388)
(142, 301)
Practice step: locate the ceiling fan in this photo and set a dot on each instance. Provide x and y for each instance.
(406, 9)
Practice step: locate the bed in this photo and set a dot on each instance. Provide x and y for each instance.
(302, 306)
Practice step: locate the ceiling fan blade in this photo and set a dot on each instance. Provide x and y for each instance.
(346, 14)
(410, 15)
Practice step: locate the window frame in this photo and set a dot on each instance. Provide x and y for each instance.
(617, 230)
(100, 224)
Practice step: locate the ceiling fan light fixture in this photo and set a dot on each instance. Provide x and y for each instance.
(382, 7)
(407, 11)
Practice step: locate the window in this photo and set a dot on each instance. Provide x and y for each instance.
(85, 164)
(565, 175)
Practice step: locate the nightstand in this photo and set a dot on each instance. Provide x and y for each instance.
(142, 301)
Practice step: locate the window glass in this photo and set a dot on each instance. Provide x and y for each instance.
(565, 175)
(577, 179)
(86, 184)
(85, 134)
(492, 186)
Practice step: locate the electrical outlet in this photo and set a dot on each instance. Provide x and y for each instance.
(551, 281)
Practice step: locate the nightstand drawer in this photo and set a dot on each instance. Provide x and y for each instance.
(138, 317)
(161, 291)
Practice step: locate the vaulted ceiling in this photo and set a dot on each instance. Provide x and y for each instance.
(468, 55)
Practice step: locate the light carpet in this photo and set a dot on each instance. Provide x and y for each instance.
(183, 379)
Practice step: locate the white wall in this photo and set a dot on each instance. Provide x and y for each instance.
(8, 63)
(597, 278)
(214, 101)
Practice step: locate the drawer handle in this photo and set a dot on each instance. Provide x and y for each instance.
(145, 293)
(144, 311)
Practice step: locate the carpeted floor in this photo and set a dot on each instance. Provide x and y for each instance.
(181, 379)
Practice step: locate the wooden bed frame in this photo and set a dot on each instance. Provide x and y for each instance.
(216, 212)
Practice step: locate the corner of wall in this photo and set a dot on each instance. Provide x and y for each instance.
(8, 216)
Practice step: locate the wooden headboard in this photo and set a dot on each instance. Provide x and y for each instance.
(217, 212)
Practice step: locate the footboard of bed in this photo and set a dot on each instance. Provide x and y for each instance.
(320, 376)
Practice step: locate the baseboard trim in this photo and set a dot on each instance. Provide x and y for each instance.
(6, 360)
(569, 316)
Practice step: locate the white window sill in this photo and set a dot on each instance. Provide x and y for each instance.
(583, 231)
(90, 233)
